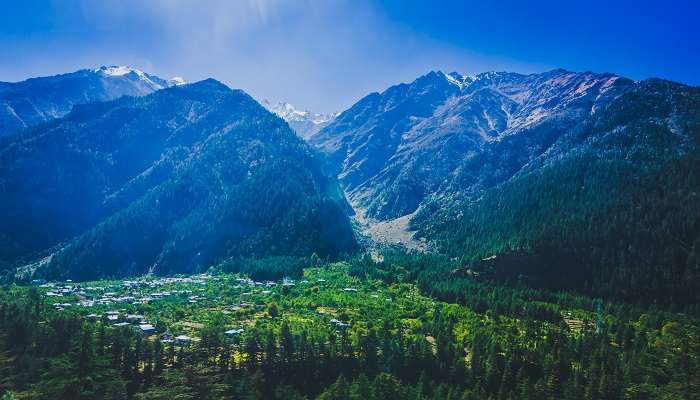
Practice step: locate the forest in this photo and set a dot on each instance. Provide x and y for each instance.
(395, 325)
(612, 213)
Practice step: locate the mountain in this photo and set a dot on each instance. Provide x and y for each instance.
(609, 209)
(37, 100)
(304, 123)
(173, 181)
(394, 149)
(577, 181)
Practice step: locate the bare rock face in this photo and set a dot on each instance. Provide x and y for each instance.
(392, 150)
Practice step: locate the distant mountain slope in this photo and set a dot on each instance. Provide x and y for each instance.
(393, 150)
(304, 123)
(37, 100)
(169, 182)
(610, 208)
(575, 181)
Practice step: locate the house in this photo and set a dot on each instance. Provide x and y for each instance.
(350, 290)
(134, 318)
(342, 326)
(128, 299)
(339, 325)
(147, 329)
(167, 338)
(121, 324)
(233, 332)
(183, 340)
(288, 282)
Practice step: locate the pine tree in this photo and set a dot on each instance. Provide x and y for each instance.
(158, 358)
(286, 344)
(360, 389)
(369, 351)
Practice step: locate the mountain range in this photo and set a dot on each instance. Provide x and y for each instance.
(394, 149)
(173, 181)
(304, 123)
(37, 100)
(571, 180)
(577, 181)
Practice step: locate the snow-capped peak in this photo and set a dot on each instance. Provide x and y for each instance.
(118, 71)
(177, 81)
(459, 80)
(304, 123)
(152, 81)
(290, 113)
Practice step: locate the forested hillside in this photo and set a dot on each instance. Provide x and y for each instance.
(561, 180)
(610, 209)
(173, 181)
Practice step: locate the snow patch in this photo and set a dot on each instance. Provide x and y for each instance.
(290, 113)
(118, 71)
(153, 82)
(177, 81)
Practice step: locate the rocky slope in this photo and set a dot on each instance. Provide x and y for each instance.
(394, 149)
(576, 181)
(610, 208)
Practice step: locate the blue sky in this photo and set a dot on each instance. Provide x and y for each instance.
(326, 54)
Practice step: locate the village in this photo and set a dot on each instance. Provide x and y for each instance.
(174, 309)
(163, 327)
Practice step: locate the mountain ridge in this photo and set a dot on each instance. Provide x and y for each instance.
(142, 180)
(574, 181)
(408, 124)
(305, 123)
(35, 100)
(448, 162)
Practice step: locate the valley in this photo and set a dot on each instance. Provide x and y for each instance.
(497, 236)
(331, 331)
(349, 200)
